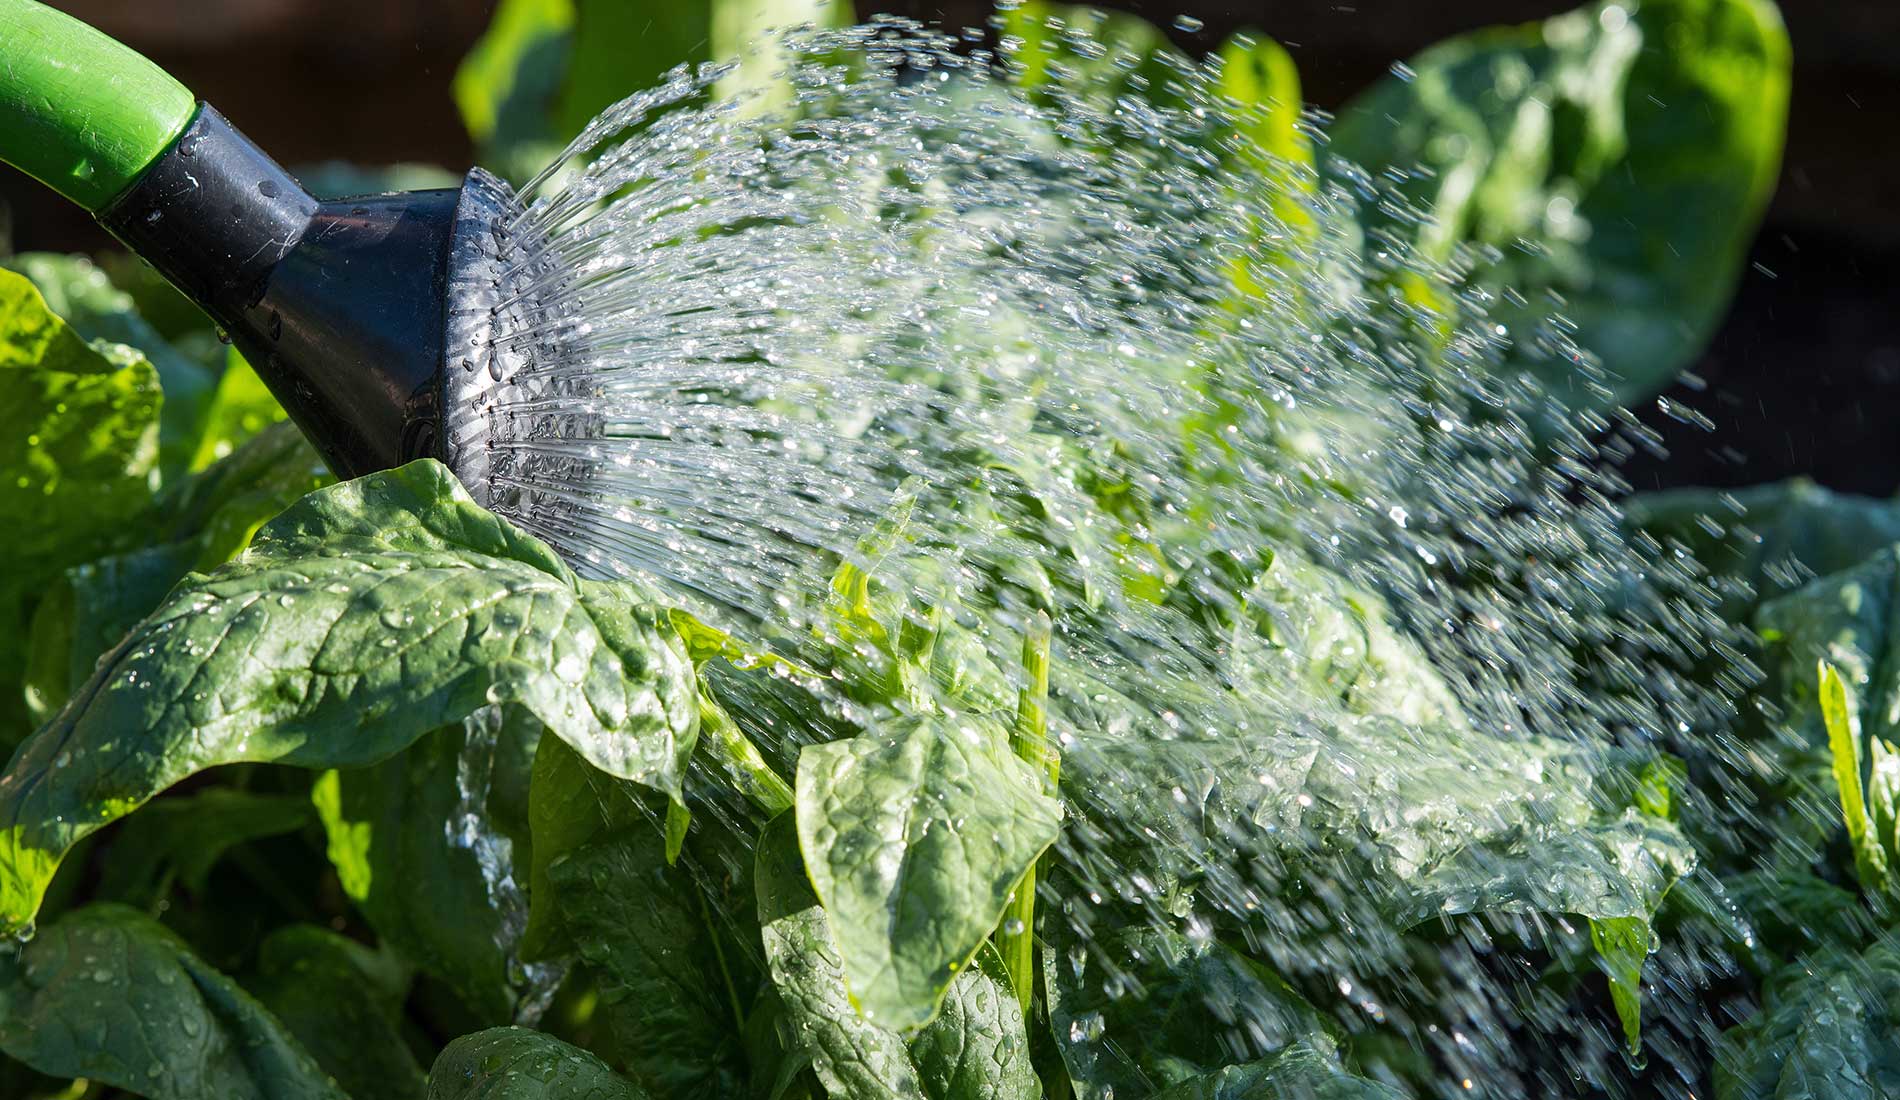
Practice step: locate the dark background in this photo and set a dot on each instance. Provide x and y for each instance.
(1804, 377)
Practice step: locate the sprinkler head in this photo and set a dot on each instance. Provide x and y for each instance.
(350, 311)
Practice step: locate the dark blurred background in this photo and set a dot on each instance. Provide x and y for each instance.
(1804, 377)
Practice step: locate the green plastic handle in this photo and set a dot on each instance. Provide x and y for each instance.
(78, 111)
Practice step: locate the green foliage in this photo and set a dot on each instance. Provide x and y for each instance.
(914, 837)
(108, 994)
(1612, 161)
(1825, 1031)
(79, 456)
(343, 1003)
(422, 765)
(363, 617)
(1304, 1071)
(511, 1063)
(390, 834)
(545, 68)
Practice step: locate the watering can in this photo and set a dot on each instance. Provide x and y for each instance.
(351, 311)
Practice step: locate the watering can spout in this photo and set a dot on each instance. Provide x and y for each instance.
(341, 306)
(337, 305)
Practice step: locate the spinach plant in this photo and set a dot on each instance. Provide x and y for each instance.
(357, 790)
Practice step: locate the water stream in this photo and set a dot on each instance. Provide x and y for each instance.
(1332, 600)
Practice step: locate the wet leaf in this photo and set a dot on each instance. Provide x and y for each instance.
(512, 1063)
(1308, 1070)
(343, 1002)
(854, 1058)
(365, 616)
(199, 523)
(1615, 158)
(393, 837)
(110, 995)
(79, 457)
(667, 991)
(1825, 1030)
(915, 834)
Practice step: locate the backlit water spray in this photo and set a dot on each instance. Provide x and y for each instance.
(1340, 624)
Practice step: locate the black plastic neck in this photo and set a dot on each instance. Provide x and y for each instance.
(338, 305)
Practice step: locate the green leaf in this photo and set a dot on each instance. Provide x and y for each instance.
(1636, 145)
(392, 830)
(1257, 73)
(976, 1048)
(1828, 1029)
(1766, 541)
(854, 1058)
(665, 986)
(1848, 619)
(110, 995)
(1842, 718)
(741, 32)
(343, 1002)
(1308, 1070)
(1135, 1008)
(363, 617)
(506, 87)
(240, 408)
(513, 1063)
(201, 522)
(184, 838)
(76, 289)
(915, 834)
(1073, 56)
(78, 459)
(1614, 873)
(1622, 947)
(570, 804)
(1883, 796)
(1310, 630)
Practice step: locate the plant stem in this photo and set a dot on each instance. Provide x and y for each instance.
(1029, 739)
(740, 759)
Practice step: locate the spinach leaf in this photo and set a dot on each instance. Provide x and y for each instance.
(669, 991)
(1849, 620)
(1826, 1029)
(1610, 163)
(506, 85)
(545, 68)
(512, 1063)
(1308, 1070)
(915, 833)
(79, 457)
(393, 838)
(1072, 56)
(1766, 541)
(1613, 872)
(241, 407)
(343, 1002)
(854, 1058)
(199, 523)
(975, 1049)
(76, 289)
(363, 617)
(110, 995)
(570, 804)
(1310, 631)
(1872, 851)
(1140, 1008)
